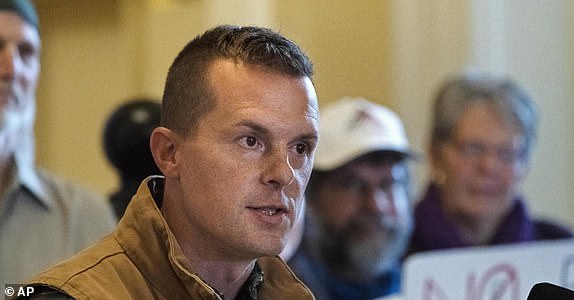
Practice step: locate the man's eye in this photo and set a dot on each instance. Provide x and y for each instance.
(352, 185)
(27, 51)
(250, 141)
(302, 148)
(472, 149)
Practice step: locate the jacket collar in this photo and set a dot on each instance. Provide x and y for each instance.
(147, 240)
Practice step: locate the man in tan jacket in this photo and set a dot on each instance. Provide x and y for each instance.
(236, 146)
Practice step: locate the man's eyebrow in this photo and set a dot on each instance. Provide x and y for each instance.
(255, 127)
(258, 128)
(309, 136)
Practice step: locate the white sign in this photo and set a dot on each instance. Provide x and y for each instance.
(495, 272)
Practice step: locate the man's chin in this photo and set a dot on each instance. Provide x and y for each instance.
(375, 252)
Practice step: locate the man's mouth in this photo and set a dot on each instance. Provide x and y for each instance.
(270, 214)
(6, 95)
(270, 211)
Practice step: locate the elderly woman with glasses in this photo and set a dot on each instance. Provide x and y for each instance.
(482, 133)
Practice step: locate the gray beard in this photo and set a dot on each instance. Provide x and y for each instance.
(16, 137)
(348, 254)
(376, 256)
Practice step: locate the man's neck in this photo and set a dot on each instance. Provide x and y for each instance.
(477, 231)
(226, 277)
(220, 270)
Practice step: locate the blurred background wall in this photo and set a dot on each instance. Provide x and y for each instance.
(97, 54)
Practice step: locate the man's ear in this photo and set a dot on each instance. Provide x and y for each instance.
(163, 145)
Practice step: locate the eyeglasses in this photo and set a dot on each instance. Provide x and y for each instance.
(473, 150)
(352, 183)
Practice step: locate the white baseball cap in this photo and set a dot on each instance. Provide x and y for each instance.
(352, 127)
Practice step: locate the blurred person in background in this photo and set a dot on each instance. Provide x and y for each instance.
(43, 219)
(358, 218)
(483, 131)
(126, 143)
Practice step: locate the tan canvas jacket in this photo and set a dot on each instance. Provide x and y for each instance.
(141, 260)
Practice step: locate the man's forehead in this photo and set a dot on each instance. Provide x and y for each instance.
(23, 8)
(13, 27)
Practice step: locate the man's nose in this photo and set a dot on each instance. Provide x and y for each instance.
(379, 201)
(8, 63)
(490, 161)
(278, 169)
